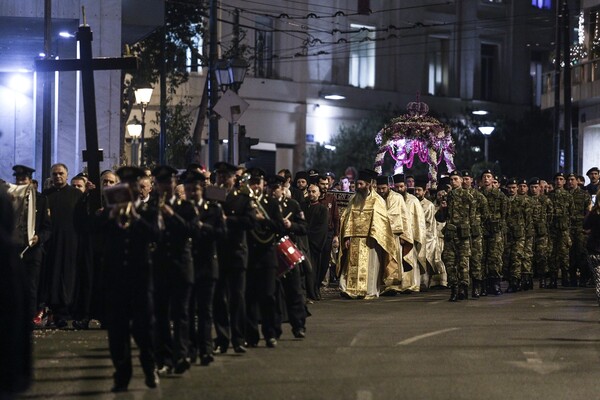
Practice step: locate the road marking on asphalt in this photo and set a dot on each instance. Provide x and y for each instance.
(535, 363)
(424, 336)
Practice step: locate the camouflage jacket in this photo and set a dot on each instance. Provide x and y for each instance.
(497, 210)
(541, 209)
(518, 218)
(581, 202)
(561, 211)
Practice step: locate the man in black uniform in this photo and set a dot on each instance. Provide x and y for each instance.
(173, 273)
(211, 227)
(229, 303)
(128, 229)
(295, 227)
(262, 263)
(33, 250)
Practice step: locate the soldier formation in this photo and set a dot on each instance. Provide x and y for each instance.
(192, 263)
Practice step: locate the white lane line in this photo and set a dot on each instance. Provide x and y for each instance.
(424, 336)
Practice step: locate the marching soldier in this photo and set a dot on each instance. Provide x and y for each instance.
(560, 225)
(517, 221)
(458, 215)
(232, 250)
(493, 235)
(211, 227)
(578, 253)
(174, 273)
(128, 229)
(527, 257)
(541, 209)
(262, 263)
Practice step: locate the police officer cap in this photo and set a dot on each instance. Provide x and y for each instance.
(466, 173)
(534, 181)
(398, 178)
(455, 173)
(487, 171)
(129, 173)
(313, 172)
(383, 180)
(223, 167)
(512, 181)
(556, 175)
(195, 167)
(593, 169)
(256, 173)
(22, 170)
(330, 174)
(301, 175)
(366, 175)
(163, 173)
(275, 180)
(192, 177)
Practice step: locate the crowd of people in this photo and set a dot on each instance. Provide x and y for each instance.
(192, 263)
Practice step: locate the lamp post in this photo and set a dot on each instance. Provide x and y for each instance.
(143, 94)
(486, 131)
(134, 129)
(230, 74)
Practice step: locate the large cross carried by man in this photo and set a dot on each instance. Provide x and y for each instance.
(87, 65)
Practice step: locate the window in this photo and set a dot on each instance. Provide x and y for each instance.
(438, 66)
(542, 4)
(362, 56)
(489, 57)
(193, 53)
(536, 78)
(263, 45)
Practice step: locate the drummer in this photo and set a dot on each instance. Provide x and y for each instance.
(289, 282)
(262, 263)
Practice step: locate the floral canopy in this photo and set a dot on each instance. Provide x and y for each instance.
(416, 133)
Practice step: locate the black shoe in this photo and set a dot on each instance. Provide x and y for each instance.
(240, 349)
(476, 289)
(206, 359)
(272, 343)
(497, 289)
(61, 324)
(220, 350)
(118, 388)
(182, 366)
(164, 370)
(299, 333)
(152, 379)
(453, 294)
(83, 324)
(484, 289)
(543, 283)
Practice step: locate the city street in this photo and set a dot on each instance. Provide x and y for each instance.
(541, 344)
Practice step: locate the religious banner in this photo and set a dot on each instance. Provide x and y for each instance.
(342, 198)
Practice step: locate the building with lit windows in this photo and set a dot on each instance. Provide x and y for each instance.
(314, 65)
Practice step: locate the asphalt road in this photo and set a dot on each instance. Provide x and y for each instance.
(541, 344)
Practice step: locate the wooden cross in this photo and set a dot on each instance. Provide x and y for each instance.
(87, 65)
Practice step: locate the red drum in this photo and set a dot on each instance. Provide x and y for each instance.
(288, 255)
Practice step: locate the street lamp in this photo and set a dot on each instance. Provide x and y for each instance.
(230, 74)
(134, 129)
(486, 131)
(143, 94)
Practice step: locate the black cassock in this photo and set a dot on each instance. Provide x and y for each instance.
(61, 262)
(316, 215)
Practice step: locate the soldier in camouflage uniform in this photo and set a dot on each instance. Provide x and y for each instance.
(493, 233)
(539, 220)
(560, 224)
(517, 220)
(527, 257)
(578, 253)
(480, 214)
(457, 214)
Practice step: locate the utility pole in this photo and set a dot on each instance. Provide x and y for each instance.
(213, 91)
(47, 95)
(557, 48)
(567, 91)
(232, 134)
(162, 137)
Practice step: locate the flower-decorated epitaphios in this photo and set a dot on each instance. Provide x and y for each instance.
(416, 134)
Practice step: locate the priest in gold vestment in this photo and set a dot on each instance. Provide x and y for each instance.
(367, 241)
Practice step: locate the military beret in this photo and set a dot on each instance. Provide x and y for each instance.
(556, 175)
(301, 175)
(534, 181)
(593, 169)
(522, 181)
(398, 178)
(383, 180)
(223, 167)
(129, 173)
(22, 170)
(366, 175)
(487, 171)
(163, 173)
(466, 173)
(455, 173)
(83, 175)
(106, 171)
(330, 174)
(512, 181)
(444, 180)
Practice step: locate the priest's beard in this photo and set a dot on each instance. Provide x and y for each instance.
(360, 197)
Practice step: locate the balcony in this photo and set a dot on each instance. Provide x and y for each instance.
(585, 84)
